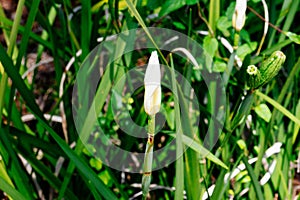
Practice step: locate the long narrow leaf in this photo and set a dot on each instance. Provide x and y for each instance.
(279, 107)
(196, 146)
(179, 145)
(254, 179)
(28, 97)
(10, 191)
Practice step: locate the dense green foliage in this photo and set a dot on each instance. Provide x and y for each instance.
(44, 44)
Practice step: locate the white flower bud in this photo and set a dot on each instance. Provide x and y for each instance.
(239, 15)
(152, 98)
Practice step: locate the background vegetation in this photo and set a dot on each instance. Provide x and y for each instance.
(43, 44)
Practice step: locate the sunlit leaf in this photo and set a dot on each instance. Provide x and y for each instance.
(219, 66)
(246, 49)
(210, 46)
(263, 111)
(294, 37)
(223, 24)
(170, 6)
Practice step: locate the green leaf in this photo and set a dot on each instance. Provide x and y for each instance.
(9, 190)
(223, 24)
(297, 127)
(243, 111)
(246, 49)
(294, 37)
(263, 111)
(245, 36)
(219, 66)
(230, 11)
(106, 178)
(96, 163)
(29, 98)
(210, 45)
(242, 144)
(191, 2)
(179, 25)
(171, 5)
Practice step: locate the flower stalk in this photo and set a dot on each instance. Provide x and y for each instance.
(152, 101)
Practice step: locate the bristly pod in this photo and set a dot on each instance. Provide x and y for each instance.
(271, 66)
(254, 76)
(257, 77)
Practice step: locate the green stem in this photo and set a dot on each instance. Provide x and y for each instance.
(146, 180)
(236, 40)
(214, 14)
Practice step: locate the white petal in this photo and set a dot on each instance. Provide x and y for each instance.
(152, 97)
(152, 75)
(239, 16)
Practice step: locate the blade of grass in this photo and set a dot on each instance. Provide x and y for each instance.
(221, 184)
(18, 82)
(254, 179)
(10, 48)
(79, 163)
(99, 99)
(86, 27)
(285, 88)
(4, 175)
(44, 171)
(192, 170)
(282, 15)
(263, 137)
(22, 50)
(196, 146)
(71, 32)
(44, 36)
(278, 107)
(297, 127)
(290, 18)
(47, 147)
(28, 97)
(35, 37)
(227, 72)
(10, 191)
(142, 23)
(179, 185)
(16, 169)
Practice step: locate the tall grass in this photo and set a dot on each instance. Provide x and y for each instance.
(42, 155)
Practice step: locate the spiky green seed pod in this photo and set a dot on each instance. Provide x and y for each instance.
(271, 66)
(254, 76)
(257, 77)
